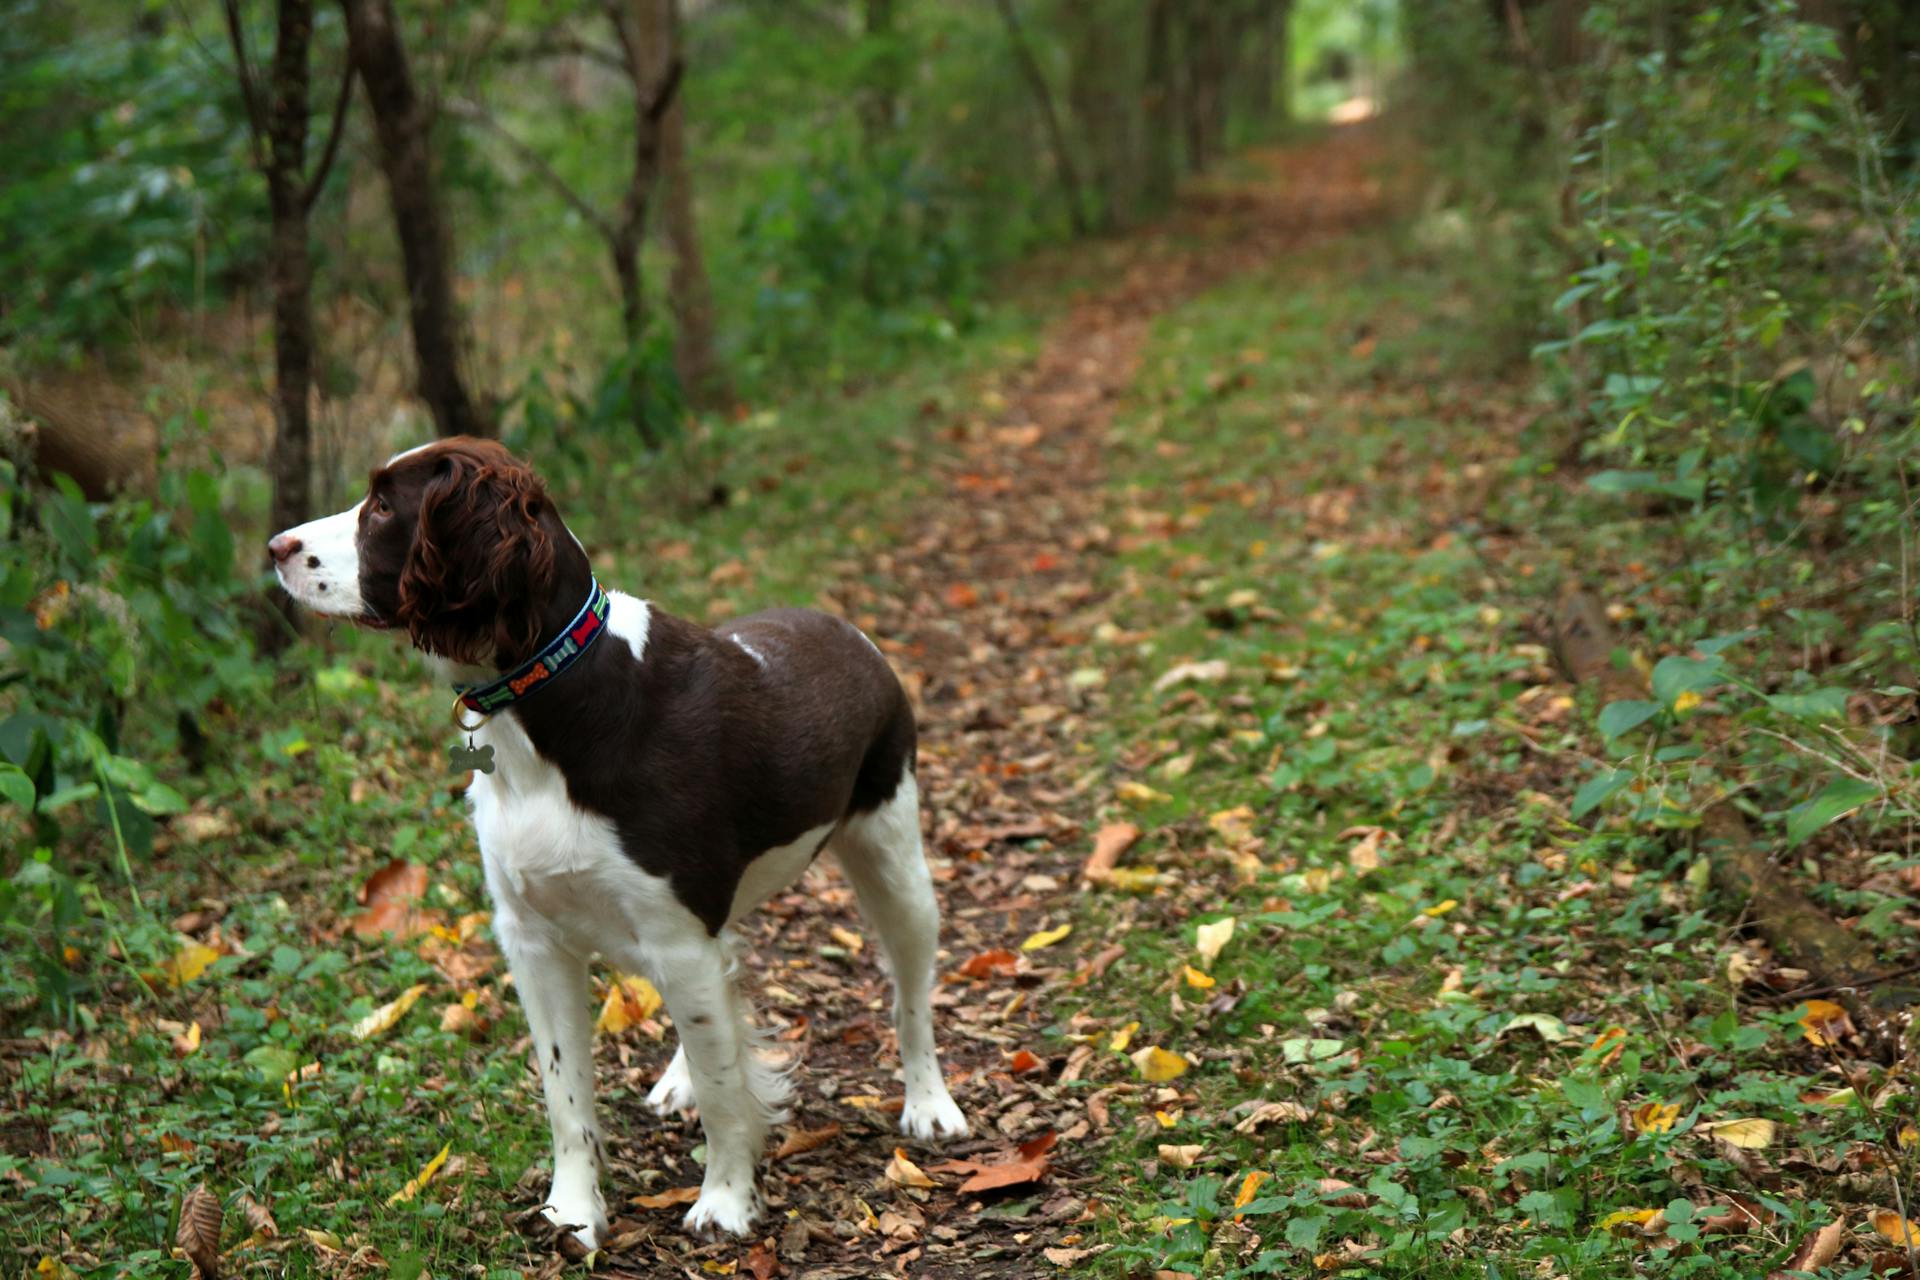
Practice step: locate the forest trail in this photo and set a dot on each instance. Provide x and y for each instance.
(990, 597)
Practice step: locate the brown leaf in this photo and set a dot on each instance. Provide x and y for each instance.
(1825, 1022)
(904, 1172)
(667, 1199)
(1029, 1163)
(1114, 840)
(1816, 1251)
(800, 1141)
(259, 1220)
(389, 896)
(1345, 1194)
(761, 1263)
(989, 963)
(199, 1232)
(1024, 1061)
(1737, 1214)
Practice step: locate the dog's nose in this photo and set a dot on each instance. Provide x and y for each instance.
(282, 546)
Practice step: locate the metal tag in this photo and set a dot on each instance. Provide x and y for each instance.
(470, 757)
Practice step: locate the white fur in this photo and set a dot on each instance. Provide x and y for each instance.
(752, 652)
(630, 619)
(324, 574)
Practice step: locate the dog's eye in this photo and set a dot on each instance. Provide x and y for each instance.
(379, 509)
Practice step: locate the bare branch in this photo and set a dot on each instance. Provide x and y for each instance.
(473, 112)
(243, 68)
(334, 134)
(561, 46)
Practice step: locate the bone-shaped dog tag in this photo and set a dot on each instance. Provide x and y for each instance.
(470, 757)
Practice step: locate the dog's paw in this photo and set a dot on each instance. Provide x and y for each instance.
(722, 1210)
(579, 1214)
(673, 1092)
(934, 1116)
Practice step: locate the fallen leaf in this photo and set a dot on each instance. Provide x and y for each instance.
(1364, 856)
(1747, 1134)
(325, 1241)
(1439, 908)
(199, 1232)
(1063, 1257)
(667, 1199)
(1123, 1037)
(1156, 1064)
(1214, 669)
(188, 1041)
(1046, 938)
(259, 1220)
(1234, 825)
(1825, 1022)
(1023, 1062)
(188, 963)
(800, 1141)
(388, 1015)
(1655, 1117)
(1113, 840)
(1815, 1252)
(1136, 879)
(1608, 1046)
(905, 1173)
(421, 1179)
(1544, 1025)
(1140, 795)
(989, 963)
(1181, 1157)
(1028, 1163)
(1897, 1230)
(847, 938)
(1210, 939)
(1249, 1187)
(459, 1018)
(761, 1262)
(1195, 978)
(1343, 1194)
(1283, 1112)
(630, 1001)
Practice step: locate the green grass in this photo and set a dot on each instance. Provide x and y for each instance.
(1295, 470)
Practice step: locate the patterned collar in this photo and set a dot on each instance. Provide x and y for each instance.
(556, 656)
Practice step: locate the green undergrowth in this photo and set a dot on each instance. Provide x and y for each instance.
(139, 1066)
(1502, 1033)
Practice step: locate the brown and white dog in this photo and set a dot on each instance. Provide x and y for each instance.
(653, 782)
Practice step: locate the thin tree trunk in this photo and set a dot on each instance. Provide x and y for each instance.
(403, 122)
(1050, 117)
(880, 95)
(1204, 53)
(694, 357)
(1157, 97)
(1090, 91)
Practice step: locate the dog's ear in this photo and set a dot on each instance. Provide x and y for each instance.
(475, 584)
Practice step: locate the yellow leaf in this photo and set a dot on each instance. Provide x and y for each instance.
(1908, 1136)
(715, 1267)
(51, 1268)
(1046, 938)
(325, 1241)
(1195, 978)
(1439, 908)
(1629, 1218)
(421, 1179)
(1234, 825)
(1901, 1231)
(1123, 1037)
(1157, 1064)
(1685, 701)
(1747, 1134)
(1181, 1157)
(187, 1042)
(1825, 1022)
(1134, 879)
(388, 1015)
(1249, 1187)
(1140, 794)
(630, 1000)
(188, 963)
(1317, 879)
(1167, 1119)
(904, 1172)
(1656, 1117)
(1209, 939)
(847, 938)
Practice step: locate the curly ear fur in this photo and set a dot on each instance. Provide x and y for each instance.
(475, 581)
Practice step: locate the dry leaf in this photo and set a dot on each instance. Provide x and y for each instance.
(1234, 825)
(1157, 1064)
(1212, 670)
(847, 938)
(1747, 1134)
(1195, 978)
(259, 1220)
(667, 1199)
(421, 1179)
(1364, 856)
(1344, 1194)
(1209, 939)
(188, 963)
(1028, 1163)
(989, 963)
(630, 1001)
(389, 896)
(188, 1041)
(1113, 841)
(1024, 1061)
(199, 1232)
(1136, 879)
(1123, 1037)
(1249, 1187)
(1816, 1251)
(801, 1141)
(905, 1173)
(1897, 1230)
(1655, 1117)
(1825, 1022)
(1284, 1112)
(1046, 938)
(388, 1015)
(1140, 795)
(1181, 1157)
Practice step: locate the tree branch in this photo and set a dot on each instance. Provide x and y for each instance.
(249, 96)
(553, 46)
(462, 109)
(334, 134)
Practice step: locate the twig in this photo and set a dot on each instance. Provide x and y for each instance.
(335, 131)
(464, 109)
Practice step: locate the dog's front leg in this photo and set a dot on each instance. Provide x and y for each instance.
(553, 987)
(713, 1034)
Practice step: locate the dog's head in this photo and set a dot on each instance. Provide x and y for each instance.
(456, 542)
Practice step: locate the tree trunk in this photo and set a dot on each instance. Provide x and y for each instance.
(880, 93)
(694, 356)
(1049, 117)
(645, 29)
(290, 462)
(403, 123)
(1090, 85)
(1202, 44)
(1157, 95)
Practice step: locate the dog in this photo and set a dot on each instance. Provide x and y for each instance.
(642, 783)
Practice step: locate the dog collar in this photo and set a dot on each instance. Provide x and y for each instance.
(559, 653)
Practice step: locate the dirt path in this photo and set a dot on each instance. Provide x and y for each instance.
(992, 595)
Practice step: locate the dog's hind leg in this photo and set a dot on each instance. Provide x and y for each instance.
(673, 1091)
(880, 853)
